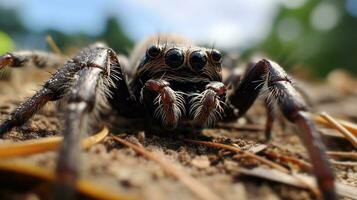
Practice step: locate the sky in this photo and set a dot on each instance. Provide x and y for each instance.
(224, 23)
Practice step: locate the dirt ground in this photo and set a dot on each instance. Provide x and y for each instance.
(119, 168)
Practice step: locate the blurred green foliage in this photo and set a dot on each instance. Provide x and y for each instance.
(10, 22)
(294, 39)
(113, 35)
(318, 51)
(6, 44)
(6, 27)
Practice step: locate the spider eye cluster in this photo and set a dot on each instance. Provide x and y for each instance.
(197, 60)
(174, 58)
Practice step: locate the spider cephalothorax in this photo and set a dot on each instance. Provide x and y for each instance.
(177, 82)
(164, 85)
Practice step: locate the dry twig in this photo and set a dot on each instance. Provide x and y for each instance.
(342, 155)
(238, 150)
(288, 159)
(344, 163)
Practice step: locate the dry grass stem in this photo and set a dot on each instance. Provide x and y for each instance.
(288, 159)
(342, 155)
(349, 136)
(51, 43)
(29, 147)
(238, 150)
(346, 124)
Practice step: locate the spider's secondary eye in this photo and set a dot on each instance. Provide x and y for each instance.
(198, 60)
(174, 58)
(153, 51)
(216, 56)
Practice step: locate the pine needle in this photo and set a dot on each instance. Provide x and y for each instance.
(348, 135)
(44, 144)
(238, 150)
(342, 155)
(346, 124)
(51, 43)
(288, 159)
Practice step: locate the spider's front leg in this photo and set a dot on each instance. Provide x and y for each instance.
(288, 99)
(101, 75)
(207, 106)
(85, 82)
(168, 104)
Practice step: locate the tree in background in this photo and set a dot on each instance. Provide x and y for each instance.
(13, 27)
(321, 35)
(113, 35)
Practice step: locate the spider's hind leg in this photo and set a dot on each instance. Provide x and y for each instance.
(22, 58)
(53, 89)
(293, 107)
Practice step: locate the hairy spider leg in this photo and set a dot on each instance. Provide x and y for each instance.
(281, 92)
(168, 104)
(53, 89)
(85, 82)
(206, 107)
(81, 101)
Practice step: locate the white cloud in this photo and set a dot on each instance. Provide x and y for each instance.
(225, 23)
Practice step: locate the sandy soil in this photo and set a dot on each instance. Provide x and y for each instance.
(120, 169)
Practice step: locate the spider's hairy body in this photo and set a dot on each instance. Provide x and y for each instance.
(169, 83)
(187, 85)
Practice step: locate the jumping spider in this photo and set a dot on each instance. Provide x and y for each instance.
(170, 84)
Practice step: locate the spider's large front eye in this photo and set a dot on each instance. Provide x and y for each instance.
(174, 58)
(198, 60)
(153, 51)
(216, 56)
